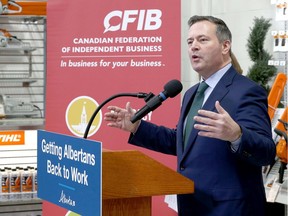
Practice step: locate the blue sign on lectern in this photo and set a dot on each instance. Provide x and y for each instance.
(69, 172)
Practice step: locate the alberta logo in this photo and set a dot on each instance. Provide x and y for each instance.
(78, 114)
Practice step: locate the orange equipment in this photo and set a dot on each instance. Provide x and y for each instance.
(10, 7)
(284, 118)
(276, 93)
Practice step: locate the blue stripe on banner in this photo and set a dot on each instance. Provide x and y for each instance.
(68, 187)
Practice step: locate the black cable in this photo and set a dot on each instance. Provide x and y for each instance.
(38, 108)
(139, 95)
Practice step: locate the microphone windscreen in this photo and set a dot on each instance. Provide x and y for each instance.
(173, 88)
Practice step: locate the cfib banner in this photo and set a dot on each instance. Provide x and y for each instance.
(97, 49)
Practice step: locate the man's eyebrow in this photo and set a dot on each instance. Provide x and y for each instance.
(198, 36)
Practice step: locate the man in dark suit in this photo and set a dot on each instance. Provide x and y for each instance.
(231, 138)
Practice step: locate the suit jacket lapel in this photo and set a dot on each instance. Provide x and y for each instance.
(218, 93)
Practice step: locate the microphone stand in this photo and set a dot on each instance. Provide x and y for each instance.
(139, 95)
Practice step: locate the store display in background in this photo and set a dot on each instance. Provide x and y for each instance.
(5, 7)
(19, 183)
(10, 7)
(18, 161)
(15, 107)
(276, 192)
(18, 152)
(275, 188)
(281, 145)
(19, 106)
(281, 10)
(22, 71)
(280, 41)
(2, 109)
(9, 40)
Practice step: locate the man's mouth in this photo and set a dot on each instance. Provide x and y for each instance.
(195, 57)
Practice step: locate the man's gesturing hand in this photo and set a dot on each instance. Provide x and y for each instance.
(120, 118)
(217, 125)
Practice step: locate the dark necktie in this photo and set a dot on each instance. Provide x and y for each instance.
(196, 105)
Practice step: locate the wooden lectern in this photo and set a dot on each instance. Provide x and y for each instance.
(130, 179)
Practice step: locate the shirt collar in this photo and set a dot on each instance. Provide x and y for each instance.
(214, 79)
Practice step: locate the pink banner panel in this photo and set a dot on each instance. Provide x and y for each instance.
(97, 49)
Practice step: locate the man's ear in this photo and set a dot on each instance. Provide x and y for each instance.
(226, 47)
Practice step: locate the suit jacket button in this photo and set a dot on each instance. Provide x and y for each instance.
(182, 168)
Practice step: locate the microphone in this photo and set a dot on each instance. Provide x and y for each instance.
(171, 89)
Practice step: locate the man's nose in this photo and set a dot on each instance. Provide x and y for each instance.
(194, 46)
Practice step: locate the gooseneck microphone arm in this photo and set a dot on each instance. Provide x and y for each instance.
(171, 89)
(138, 95)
